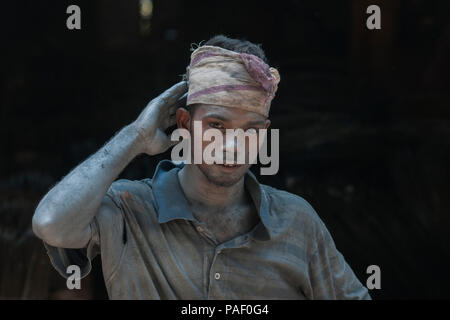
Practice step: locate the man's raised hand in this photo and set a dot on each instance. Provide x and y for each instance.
(158, 115)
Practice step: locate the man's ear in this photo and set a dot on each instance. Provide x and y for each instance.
(183, 118)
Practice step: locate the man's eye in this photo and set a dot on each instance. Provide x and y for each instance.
(216, 125)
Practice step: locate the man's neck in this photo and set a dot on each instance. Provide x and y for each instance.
(199, 191)
(226, 211)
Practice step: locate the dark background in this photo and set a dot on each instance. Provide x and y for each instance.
(363, 115)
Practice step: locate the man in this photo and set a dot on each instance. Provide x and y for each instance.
(194, 231)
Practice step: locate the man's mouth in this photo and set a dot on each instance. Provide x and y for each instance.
(229, 166)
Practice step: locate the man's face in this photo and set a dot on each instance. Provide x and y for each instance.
(222, 118)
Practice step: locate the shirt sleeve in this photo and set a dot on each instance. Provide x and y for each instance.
(103, 227)
(331, 277)
(62, 258)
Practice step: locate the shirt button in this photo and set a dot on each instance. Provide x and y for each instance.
(217, 276)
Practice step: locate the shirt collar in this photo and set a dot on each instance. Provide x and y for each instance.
(172, 204)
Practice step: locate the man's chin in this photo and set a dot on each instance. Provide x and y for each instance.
(223, 175)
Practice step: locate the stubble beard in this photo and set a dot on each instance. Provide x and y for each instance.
(223, 180)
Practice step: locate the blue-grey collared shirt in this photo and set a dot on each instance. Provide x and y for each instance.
(152, 247)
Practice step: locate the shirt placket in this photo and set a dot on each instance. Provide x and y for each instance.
(218, 271)
(209, 253)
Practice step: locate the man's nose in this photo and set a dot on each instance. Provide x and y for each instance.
(229, 148)
(234, 148)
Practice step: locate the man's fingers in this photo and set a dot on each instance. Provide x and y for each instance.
(181, 102)
(171, 121)
(171, 95)
(173, 109)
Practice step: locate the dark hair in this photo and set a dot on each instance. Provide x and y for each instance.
(237, 45)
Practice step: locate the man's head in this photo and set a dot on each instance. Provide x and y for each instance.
(228, 89)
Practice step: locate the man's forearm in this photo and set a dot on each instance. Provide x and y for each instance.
(69, 207)
(63, 216)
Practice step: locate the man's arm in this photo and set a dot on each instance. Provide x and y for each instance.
(63, 217)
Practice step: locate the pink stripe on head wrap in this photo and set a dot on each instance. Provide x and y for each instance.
(223, 77)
